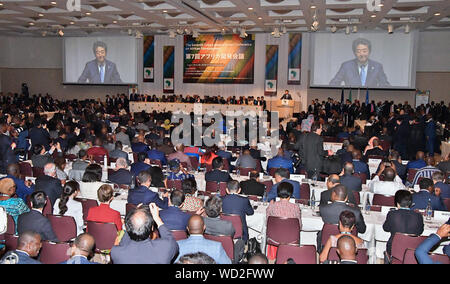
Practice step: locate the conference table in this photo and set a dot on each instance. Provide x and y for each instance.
(149, 107)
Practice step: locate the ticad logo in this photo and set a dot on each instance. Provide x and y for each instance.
(73, 5)
(373, 5)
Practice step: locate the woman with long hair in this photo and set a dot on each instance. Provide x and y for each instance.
(66, 205)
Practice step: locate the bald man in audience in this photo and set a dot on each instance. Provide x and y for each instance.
(347, 178)
(121, 174)
(346, 249)
(197, 242)
(49, 183)
(81, 250)
(28, 247)
(258, 258)
(332, 181)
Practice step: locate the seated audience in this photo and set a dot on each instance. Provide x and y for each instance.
(427, 171)
(13, 206)
(173, 217)
(246, 160)
(181, 156)
(217, 174)
(426, 194)
(350, 181)
(196, 258)
(191, 203)
(144, 195)
(66, 205)
(197, 243)
(120, 175)
(49, 184)
(424, 248)
(35, 221)
(142, 164)
(403, 220)
(81, 250)
(252, 186)
(279, 161)
(441, 189)
(390, 183)
(103, 213)
(177, 172)
(418, 163)
(23, 188)
(28, 247)
(137, 246)
(282, 175)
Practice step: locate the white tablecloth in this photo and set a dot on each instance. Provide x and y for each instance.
(334, 147)
(136, 107)
(375, 237)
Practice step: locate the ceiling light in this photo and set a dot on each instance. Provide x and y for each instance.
(31, 24)
(259, 18)
(130, 32)
(390, 29)
(284, 31)
(223, 32)
(44, 33)
(41, 15)
(172, 34)
(250, 9)
(114, 22)
(333, 29)
(195, 34)
(53, 2)
(407, 28)
(347, 30)
(164, 11)
(139, 34)
(373, 16)
(72, 23)
(276, 32)
(61, 33)
(313, 7)
(437, 14)
(243, 33)
(355, 29)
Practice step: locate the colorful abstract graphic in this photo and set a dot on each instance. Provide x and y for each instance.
(295, 59)
(149, 59)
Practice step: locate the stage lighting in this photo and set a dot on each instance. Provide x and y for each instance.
(333, 29)
(390, 28)
(60, 33)
(355, 29)
(195, 34)
(407, 29)
(347, 30)
(172, 34)
(243, 33)
(276, 33)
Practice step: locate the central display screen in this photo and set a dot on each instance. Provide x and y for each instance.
(219, 59)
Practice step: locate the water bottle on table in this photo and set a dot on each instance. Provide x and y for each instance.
(313, 200)
(429, 210)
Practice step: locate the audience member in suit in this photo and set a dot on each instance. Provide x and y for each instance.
(139, 146)
(310, 149)
(376, 150)
(104, 213)
(155, 154)
(166, 147)
(217, 174)
(120, 175)
(418, 163)
(173, 217)
(138, 245)
(214, 225)
(233, 203)
(351, 182)
(424, 248)
(224, 154)
(40, 156)
(256, 154)
(28, 247)
(197, 243)
(332, 181)
(441, 189)
(49, 184)
(82, 162)
(282, 175)
(426, 193)
(346, 152)
(122, 137)
(359, 165)
(81, 249)
(279, 161)
(35, 221)
(39, 134)
(7, 147)
(142, 164)
(252, 186)
(143, 194)
(330, 212)
(444, 166)
(118, 153)
(246, 160)
(403, 220)
(23, 188)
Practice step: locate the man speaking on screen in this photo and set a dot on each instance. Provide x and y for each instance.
(100, 70)
(361, 71)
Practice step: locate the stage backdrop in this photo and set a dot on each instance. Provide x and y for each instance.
(221, 59)
(169, 69)
(271, 70)
(295, 59)
(149, 59)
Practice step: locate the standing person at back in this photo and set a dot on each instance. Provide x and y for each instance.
(310, 146)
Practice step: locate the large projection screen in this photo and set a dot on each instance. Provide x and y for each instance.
(219, 59)
(113, 63)
(364, 60)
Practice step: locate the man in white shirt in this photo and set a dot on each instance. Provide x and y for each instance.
(391, 183)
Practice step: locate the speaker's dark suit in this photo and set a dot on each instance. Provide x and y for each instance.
(349, 74)
(36, 222)
(91, 73)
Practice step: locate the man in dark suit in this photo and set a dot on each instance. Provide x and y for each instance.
(173, 217)
(143, 195)
(349, 180)
(49, 183)
(325, 196)
(35, 221)
(359, 165)
(81, 249)
(142, 164)
(283, 175)
(310, 149)
(426, 193)
(286, 96)
(424, 248)
(376, 150)
(121, 175)
(39, 134)
(100, 70)
(361, 71)
(403, 220)
(330, 212)
(28, 247)
(6, 151)
(217, 174)
(137, 246)
(252, 186)
(118, 153)
(233, 203)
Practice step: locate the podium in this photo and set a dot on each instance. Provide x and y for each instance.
(286, 108)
